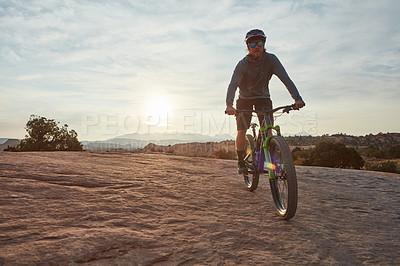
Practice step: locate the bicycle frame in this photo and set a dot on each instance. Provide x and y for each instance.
(268, 161)
(263, 134)
(266, 125)
(268, 152)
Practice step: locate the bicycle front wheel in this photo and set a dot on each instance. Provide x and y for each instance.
(284, 185)
(252, 177)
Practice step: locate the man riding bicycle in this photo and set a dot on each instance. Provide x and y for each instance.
(252, 75)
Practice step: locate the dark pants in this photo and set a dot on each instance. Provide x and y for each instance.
(243, 120)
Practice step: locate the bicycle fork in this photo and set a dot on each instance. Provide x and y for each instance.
(267, 156)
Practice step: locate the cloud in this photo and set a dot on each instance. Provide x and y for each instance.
(29, 77)
(115, 56)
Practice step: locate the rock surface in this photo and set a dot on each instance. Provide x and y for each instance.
(69, 208)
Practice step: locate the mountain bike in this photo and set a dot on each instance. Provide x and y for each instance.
(268, 153)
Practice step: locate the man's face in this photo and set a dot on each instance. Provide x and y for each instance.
(256, 51)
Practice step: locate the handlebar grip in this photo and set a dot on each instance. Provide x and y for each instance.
(289, 108)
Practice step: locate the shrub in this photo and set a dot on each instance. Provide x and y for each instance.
(330, 154)
(386, 152)
(295, 153)
(387, 166)
(299, 155)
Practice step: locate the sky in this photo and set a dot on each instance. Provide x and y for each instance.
(109, 68)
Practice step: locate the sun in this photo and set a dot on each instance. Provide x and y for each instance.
(159, 106)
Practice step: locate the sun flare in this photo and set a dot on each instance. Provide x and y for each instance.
(159, 106)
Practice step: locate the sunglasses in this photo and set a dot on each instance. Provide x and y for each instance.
(253, 44)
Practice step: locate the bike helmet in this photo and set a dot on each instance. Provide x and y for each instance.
(255, 33)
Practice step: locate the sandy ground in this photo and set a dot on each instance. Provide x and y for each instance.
(70, 208)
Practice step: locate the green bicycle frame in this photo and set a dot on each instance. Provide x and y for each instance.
(270, 166)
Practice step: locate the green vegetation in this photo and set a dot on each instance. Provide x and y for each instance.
(387, 166)
(379, 140)
(329, 154)
(371, 147)
(45, 135)
(385, 152)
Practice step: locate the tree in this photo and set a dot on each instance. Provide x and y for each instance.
(45, 135)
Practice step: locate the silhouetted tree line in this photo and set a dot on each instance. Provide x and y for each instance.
(379, 140)
(387, 166)
(329, 154)
(386, 152)
(45, 135)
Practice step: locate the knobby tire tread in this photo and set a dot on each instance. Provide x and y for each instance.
(291, 179)
(251, 179)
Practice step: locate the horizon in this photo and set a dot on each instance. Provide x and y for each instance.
(4, 139)
(109, 69)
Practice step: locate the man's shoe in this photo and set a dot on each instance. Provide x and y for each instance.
(242, 169)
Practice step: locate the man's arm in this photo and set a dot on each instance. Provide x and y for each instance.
(281, 73)
(234, 84)
(229, 109)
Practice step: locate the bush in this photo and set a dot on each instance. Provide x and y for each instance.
(386, 152)
(45, 135)
(295, 153)
(330, 154)
(388, 166)
(299, 155)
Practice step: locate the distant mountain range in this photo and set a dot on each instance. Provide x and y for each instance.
(181, 137)
(2, 140)
(4, 143)
(132, 142)
(138, 141)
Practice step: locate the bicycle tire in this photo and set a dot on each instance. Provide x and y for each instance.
(284, 186)
(252, 177)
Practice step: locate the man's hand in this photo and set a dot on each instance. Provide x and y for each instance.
(299, 104)
(230, 110)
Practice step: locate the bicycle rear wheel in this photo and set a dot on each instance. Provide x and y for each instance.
(252, 177)
(284, 186)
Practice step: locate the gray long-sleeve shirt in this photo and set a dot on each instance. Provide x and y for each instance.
(253, 78)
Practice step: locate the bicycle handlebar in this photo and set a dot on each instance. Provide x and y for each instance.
(286, 109)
